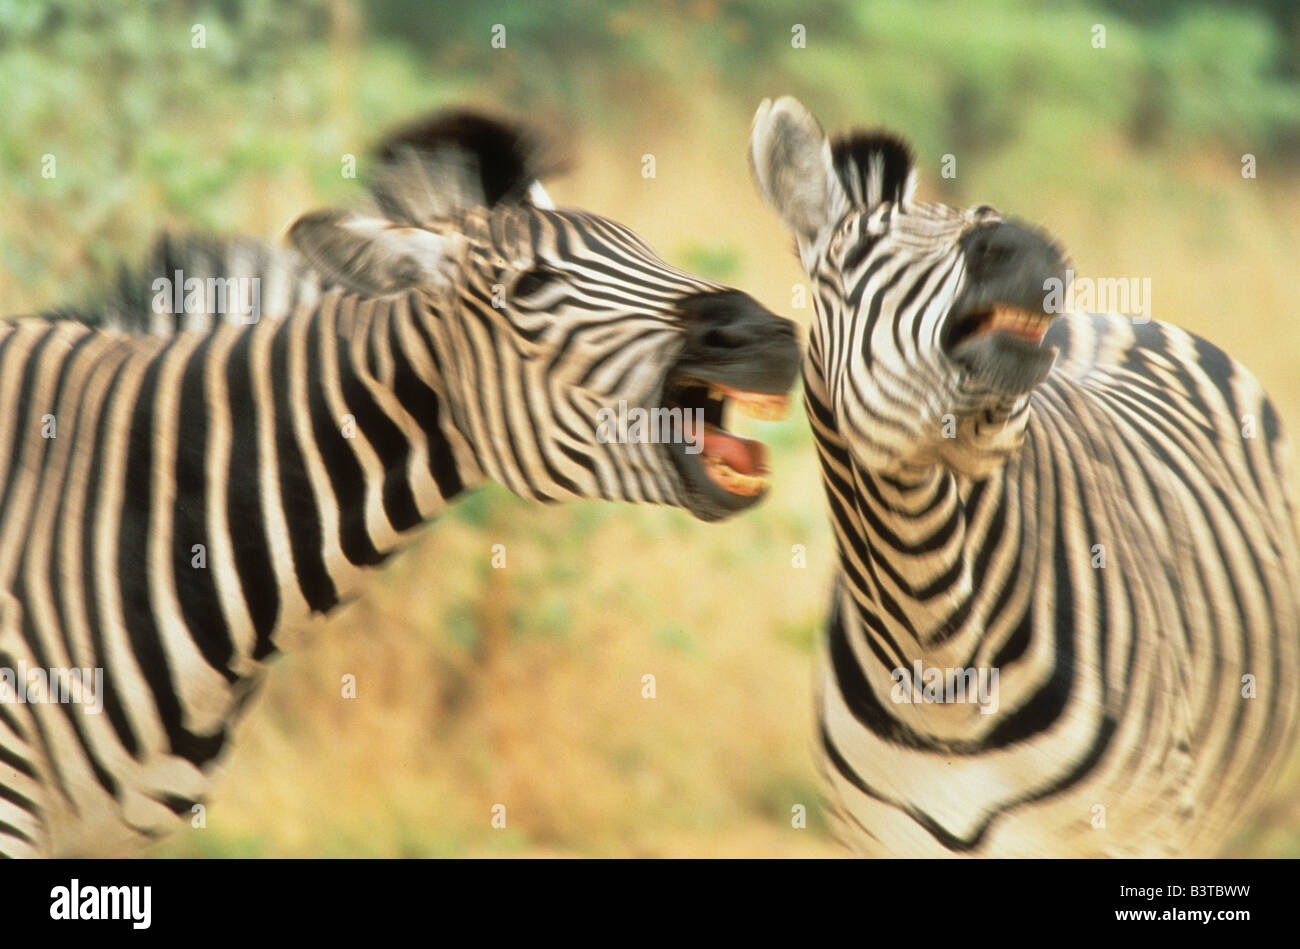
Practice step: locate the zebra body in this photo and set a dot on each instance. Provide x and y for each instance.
(1094, 509)
(206, 488)
(201, 446)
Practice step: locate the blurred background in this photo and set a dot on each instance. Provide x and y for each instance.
(523, 686)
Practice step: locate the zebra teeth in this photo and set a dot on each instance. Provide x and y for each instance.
(759, 405)
(729, 479)
(1005, 318)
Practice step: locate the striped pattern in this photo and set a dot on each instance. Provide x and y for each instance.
(1143, 702)
(208, 484)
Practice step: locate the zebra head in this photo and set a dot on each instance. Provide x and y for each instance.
(930, 325)
(579, 364)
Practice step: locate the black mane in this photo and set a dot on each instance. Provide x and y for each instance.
(458, 158)
(857, 153)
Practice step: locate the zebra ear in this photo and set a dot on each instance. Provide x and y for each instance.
(873, 167)
(791, 159)
(369, 255)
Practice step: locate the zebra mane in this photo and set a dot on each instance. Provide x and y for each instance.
(137, 305)
(457, 159)
(428, 169)
(874, 166)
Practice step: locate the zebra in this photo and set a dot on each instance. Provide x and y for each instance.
(176, 489)
(1090, 514)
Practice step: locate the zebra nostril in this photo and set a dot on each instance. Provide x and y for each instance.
(719, 339)
(997, 255)
(727, 320)
(987, 255)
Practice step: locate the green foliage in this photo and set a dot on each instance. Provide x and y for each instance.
(803, 634)
(957, 74)
(460, 624)
(547, 614)
(1210, 71)
(211, 842)
(963, 77)
(150, 123)
(484, 505)
(716, 263)
(148, 128)
(775, 794)
(677, 638)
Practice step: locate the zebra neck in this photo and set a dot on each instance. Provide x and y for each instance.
(340, 443)
(913, 551)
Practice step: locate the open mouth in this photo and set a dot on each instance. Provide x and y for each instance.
(1000, 345)
(735, 465)
(1007, 318)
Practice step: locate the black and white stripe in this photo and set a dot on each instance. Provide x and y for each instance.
(470, 332)
(972, 485)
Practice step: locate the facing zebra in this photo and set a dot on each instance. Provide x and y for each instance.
(1077, 505)
(207, 486)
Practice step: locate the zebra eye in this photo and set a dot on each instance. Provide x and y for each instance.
(532, 281)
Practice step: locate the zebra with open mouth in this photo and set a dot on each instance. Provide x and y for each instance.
(1094, 509)
(215, 480)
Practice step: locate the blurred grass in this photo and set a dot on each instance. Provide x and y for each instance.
(523, 686)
